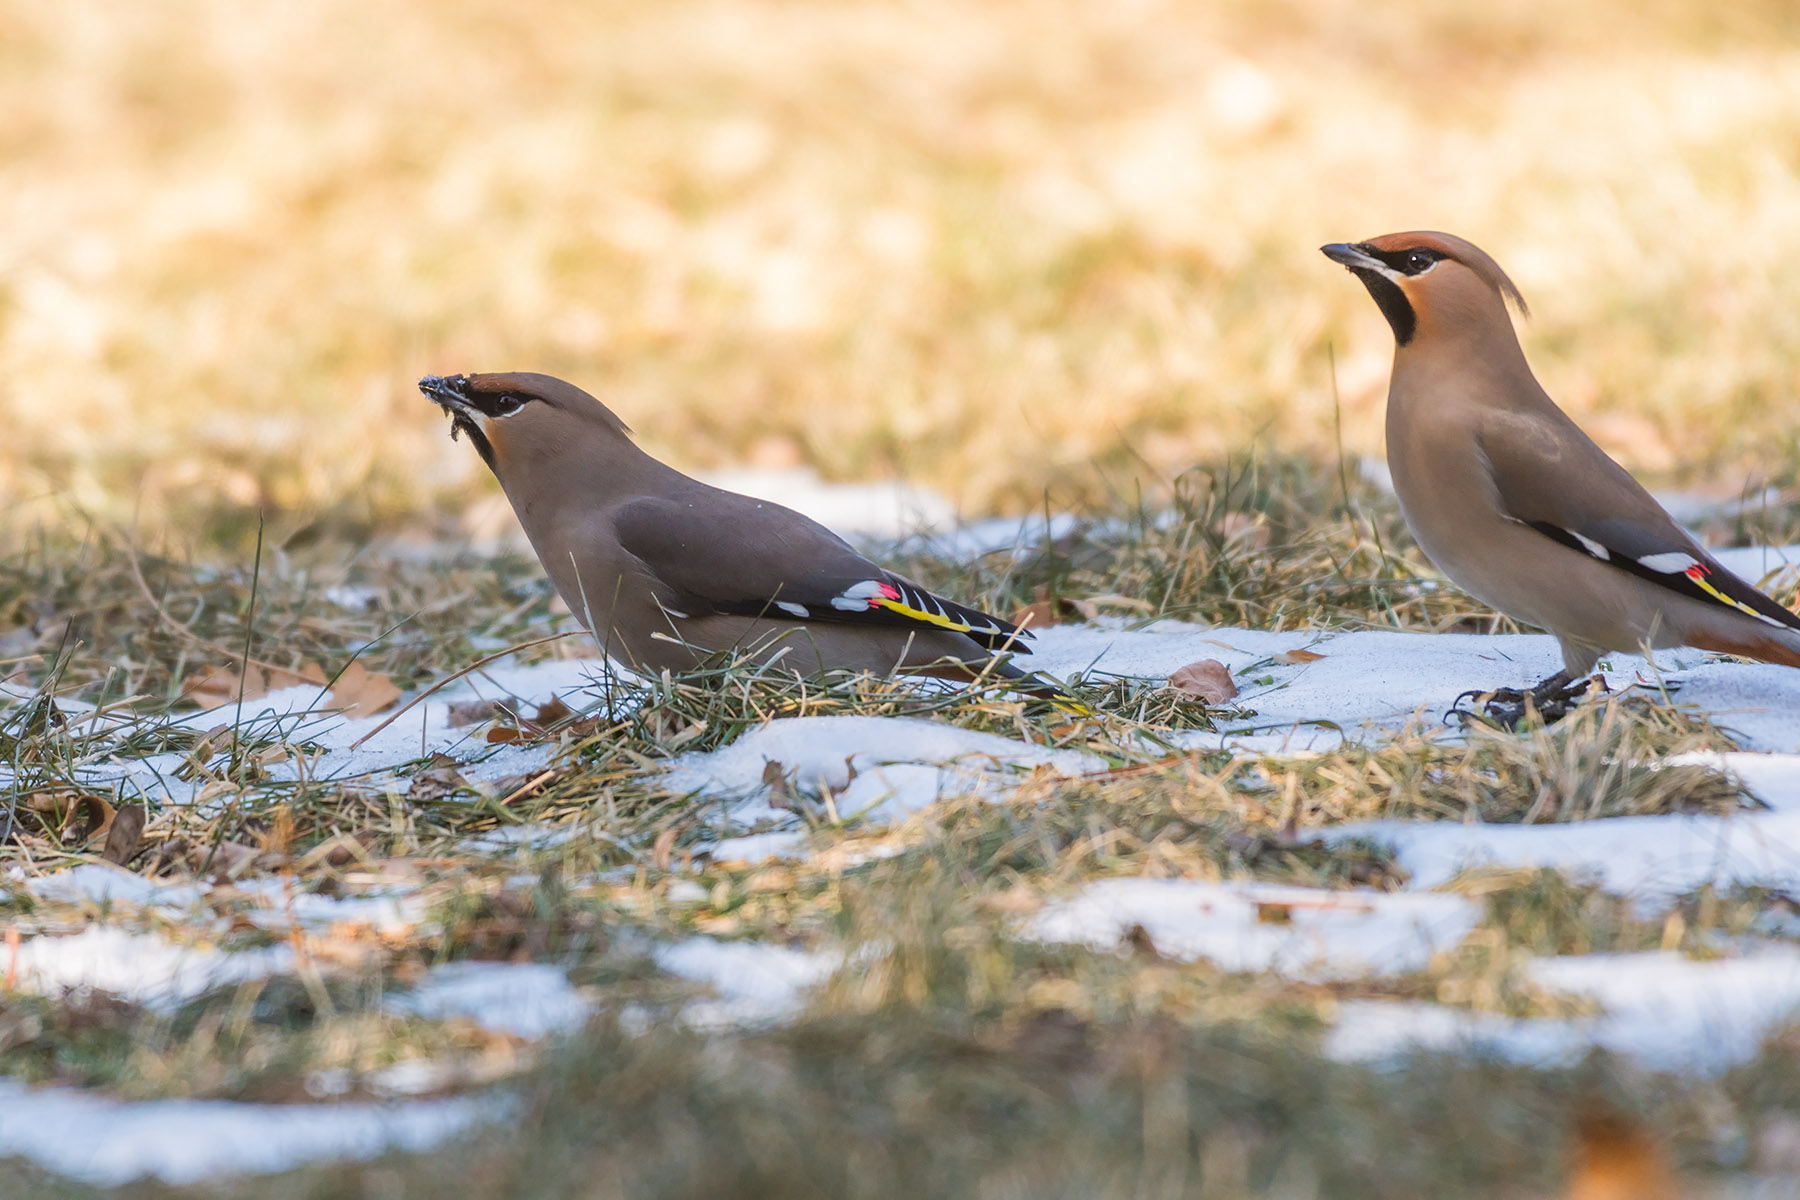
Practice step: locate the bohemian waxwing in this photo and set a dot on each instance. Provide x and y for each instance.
(667, 571)
(1513, 502)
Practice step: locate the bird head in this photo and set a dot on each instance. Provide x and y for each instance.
(1429, 282)
(519, 415)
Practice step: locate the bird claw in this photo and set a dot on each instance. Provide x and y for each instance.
(1507, 708)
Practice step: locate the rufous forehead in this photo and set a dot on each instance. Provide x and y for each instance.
(1417, 240)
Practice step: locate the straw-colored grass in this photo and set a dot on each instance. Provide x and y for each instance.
(1031, 255)
(994, 248)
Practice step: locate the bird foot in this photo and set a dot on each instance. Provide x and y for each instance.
(1506, 708)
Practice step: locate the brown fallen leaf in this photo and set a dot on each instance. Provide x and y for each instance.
(1295, 657)
(1047, 610)
(89, 817)
(1617, 1159)
(439, 778)
(1140, 941)
(215, 686)
(125, 835)
(360, 692)
(1208, 680)
(553, 711)
(782, 792)
(308, 673)
(222, 685)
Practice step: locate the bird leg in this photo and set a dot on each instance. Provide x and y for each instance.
(1551, 701)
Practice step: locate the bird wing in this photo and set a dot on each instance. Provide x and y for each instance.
(736, 556)
(1578, 496)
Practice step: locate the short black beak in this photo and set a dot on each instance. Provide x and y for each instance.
(449, 391)
(1352, 255)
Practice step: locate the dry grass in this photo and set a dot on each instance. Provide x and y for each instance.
(997, 248)
(1028, 254)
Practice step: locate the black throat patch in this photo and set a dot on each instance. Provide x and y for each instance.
(1393, 305)
(461, 424)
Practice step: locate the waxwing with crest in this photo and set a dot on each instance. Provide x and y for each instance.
(1511, 500)
(667, 571)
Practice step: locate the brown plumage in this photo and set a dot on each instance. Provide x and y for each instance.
(668, 571)
(1512, 500)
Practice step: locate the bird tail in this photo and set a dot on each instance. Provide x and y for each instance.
(1771, 646)
(1037, 686)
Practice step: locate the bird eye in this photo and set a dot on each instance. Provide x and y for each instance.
(507, 405)
(1419, 260)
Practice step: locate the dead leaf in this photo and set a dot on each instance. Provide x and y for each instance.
(221, 685)
(360, 692)
(1271, 913)
(1207, 680)
(1295, 657)
(308, 673)
(552, 712)
(782, 793)
(1140, 941)
(1048, 610)
(89, 817)
(440, 778)
(504, 733)
(125, 835)
(1616, 1159)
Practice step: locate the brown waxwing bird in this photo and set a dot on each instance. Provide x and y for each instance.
(667, 571)
(1519, 507)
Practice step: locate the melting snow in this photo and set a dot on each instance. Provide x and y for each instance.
(1661, 1010)
(877, 767)
(755, 982)
(1664, 1011)
(1304, 933)
(1653, 858)
(528, 1000)
(108, 1143)
(142, 967)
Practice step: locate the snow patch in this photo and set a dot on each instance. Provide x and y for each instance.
(755, 982)
(1661, 1010)
(1652, 858)
(145, 968)
(879, 767)
(1304, 933)
(528, 1000)
(184, 1141)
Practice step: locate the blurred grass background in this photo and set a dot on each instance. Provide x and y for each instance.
(989, 248)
